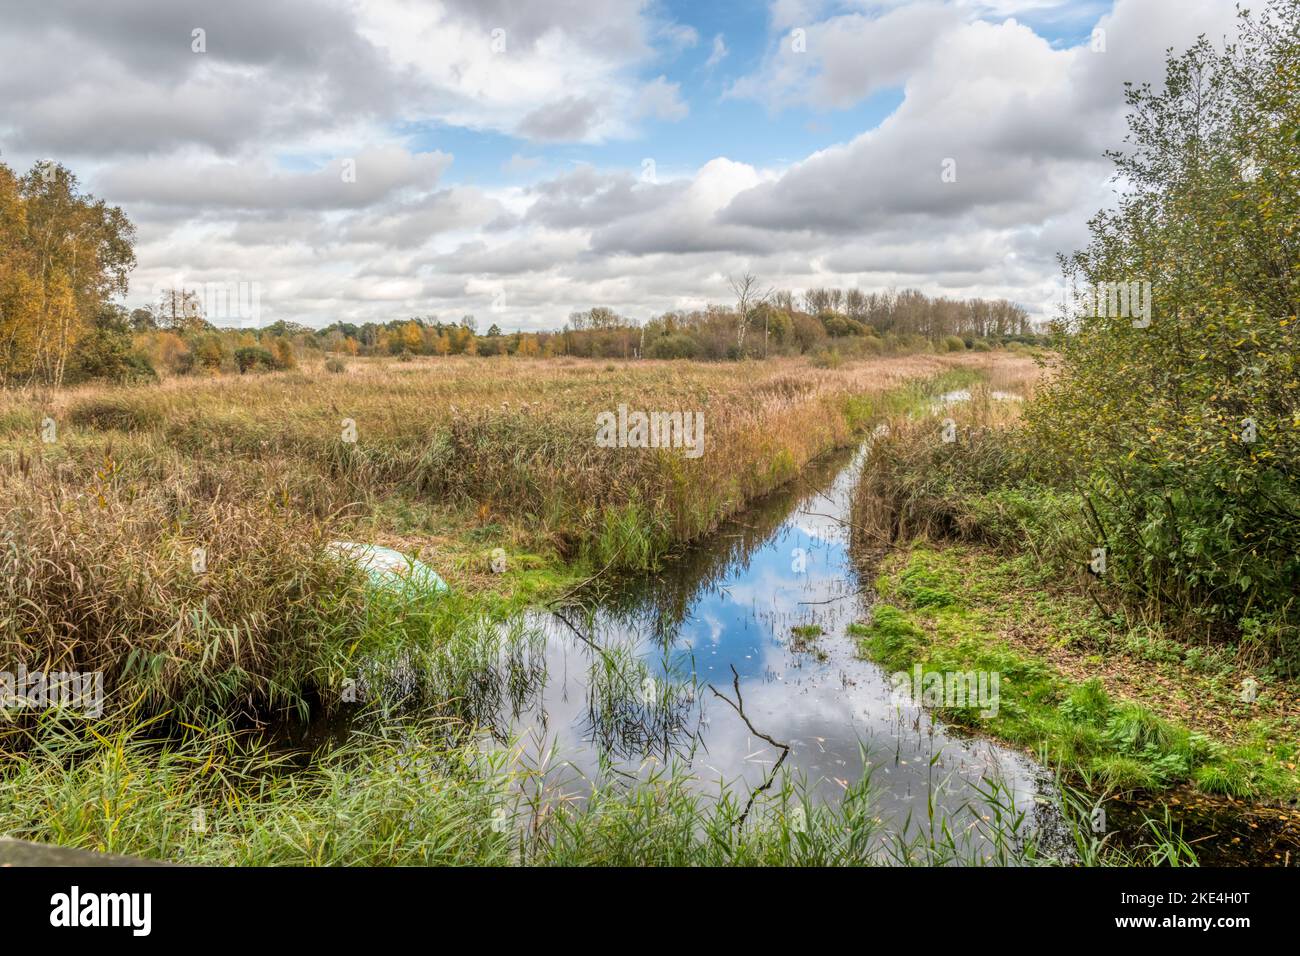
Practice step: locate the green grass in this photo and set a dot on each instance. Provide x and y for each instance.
(803, 639)
(946, 609)
(403, 794)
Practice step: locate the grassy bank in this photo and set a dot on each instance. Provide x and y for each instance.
(983, 567)
(400, 794)
(1121, 709)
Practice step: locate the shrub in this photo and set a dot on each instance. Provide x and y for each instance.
(675, 345)
(104, 353)
(209, 353)
(251, 358)
(828, 358)
(282, 349)
(1180, 430)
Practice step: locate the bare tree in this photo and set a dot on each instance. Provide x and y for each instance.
(179, 309)
(745, 289)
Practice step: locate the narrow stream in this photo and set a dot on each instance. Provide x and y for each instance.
(633, 685)
(640, 675)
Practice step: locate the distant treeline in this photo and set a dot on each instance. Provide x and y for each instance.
(65, 256)
(826, 323)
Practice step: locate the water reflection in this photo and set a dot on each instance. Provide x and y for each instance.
(630, 675)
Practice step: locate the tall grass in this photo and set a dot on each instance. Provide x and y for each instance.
(98, 529)
(401, 795)
(514, 438)
(952, 469)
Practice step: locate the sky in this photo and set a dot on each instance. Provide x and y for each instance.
(518, 161)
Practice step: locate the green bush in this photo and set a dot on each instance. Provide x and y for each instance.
(675, 345)
(251, 359)
(104, 354)
(1179, 419)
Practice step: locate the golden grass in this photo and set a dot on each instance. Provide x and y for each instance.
(445, 446)
(452, 459)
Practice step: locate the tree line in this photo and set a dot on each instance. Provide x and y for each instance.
(65, 260)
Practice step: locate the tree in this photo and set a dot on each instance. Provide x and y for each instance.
(411, 337)
(19, 296)
(65, 254)
(104, 352)
(180, 310)
(1178, 417)
(745, 289)
(142, 320)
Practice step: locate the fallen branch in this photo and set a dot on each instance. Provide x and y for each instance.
(739, 706)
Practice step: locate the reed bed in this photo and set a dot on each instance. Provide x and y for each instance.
(944, 470)
(400, 796)
(99, 527)
(510, 438)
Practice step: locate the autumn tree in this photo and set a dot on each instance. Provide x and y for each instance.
(180, 310)
(19, 296)
(63, 255)
(746, 290)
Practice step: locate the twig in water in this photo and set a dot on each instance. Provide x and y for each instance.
(739, 706)
(844, 523)
(839, 597)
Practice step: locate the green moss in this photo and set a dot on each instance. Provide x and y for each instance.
(891, 638)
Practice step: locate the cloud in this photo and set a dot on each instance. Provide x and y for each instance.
(572, 118)
(842, 60)
(236, 163)
(662, 100)
(563, 70)
(128, 80)
(680, 217)
(343, 183)
(411, 224)
(718, 53)
(535, 253)
(1022, 124)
